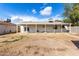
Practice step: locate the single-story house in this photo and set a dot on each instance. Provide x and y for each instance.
(7, 27)
(41, 27)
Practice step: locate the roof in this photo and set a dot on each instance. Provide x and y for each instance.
(42, 22)
(6, 23)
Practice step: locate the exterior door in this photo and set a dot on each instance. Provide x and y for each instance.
(27, 29)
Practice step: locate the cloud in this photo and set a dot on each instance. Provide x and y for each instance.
(17, 19)
(46, 11)
(57, 17)
(23, 18)
(34, 11)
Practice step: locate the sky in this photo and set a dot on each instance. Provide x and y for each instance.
(31, 11)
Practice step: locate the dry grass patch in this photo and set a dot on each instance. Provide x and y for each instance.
(36, 44)
(13, 38)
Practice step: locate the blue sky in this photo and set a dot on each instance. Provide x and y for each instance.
(31, 11)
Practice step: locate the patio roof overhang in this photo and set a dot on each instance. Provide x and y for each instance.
(43, 23)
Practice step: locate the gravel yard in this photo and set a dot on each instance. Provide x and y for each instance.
(38, 44)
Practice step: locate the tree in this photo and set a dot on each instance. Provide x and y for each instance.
(8, 20)
(67, 10)
(50, 20)
(67, 20)
(72, 13)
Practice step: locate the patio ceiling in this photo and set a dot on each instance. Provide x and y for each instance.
(43, 23)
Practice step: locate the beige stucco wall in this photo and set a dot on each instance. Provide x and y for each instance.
(2, 29)
(50, 28)
(41, 28)
(7, 29)
(75, 29)
(32, 28)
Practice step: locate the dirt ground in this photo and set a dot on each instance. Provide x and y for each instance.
(38, 44)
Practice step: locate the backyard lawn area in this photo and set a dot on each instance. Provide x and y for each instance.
(38, 44)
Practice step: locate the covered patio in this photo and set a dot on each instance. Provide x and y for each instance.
(41, 27)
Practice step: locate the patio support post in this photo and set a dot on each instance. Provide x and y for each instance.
(45, 28)
(54, 28)
(21, 29)
(26, 27)
(61, 27)
(36, 28)
(16, 28)
(70, 28)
